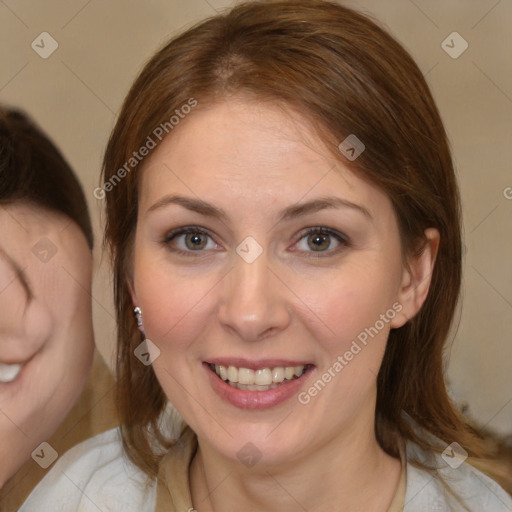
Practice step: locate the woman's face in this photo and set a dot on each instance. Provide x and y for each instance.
(256, 250)
(46, 338)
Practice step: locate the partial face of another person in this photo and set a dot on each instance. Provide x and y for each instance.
(258, 251)
(46, 338)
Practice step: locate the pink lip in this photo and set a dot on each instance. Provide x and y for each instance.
(19, 382)
(26, 365)
(253, 364)
(23, 362)
(12, 361)
(245, 399)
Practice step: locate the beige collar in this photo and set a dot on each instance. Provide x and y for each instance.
(173, 485)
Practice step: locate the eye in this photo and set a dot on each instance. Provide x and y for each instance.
(321, 240)
(189, 239)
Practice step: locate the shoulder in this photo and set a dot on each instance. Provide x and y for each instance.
(431, 491)
(94, 475)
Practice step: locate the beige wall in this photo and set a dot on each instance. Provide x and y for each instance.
(75, 93)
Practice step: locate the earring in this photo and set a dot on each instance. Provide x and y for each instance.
(138, 315)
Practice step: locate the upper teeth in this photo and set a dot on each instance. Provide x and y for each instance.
(8, 372)
(261, 377)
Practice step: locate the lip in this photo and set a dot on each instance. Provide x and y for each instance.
(26, 355)
(253, 364)
(26, 363)
(245, 399)
(21, 362)
(16, 361)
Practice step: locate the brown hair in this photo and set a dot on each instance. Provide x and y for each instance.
(347, 76)
(32, 169)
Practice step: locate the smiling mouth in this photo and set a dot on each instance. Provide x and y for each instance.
(9, 372)
(261, 379)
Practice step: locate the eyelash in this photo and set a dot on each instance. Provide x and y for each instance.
(340, 237)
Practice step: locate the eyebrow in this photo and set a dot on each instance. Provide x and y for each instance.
(294, 211)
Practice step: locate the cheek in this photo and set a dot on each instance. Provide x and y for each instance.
(174, 306)
(13, 302)
(38, 323)
(348, 303)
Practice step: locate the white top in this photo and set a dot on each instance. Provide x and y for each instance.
(96, 476)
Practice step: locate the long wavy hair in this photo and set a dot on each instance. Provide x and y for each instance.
(346, 75)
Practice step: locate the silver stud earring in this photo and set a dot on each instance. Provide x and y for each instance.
(138, 315)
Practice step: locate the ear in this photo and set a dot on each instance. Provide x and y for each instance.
(416, 279)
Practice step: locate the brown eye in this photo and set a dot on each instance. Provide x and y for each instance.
(189, 239)
(318, 242)
(321, 240)
(196, 241)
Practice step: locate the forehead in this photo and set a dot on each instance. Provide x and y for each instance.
(248, 151)
(24, 225)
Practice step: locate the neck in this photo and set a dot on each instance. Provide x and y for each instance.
(349, 473)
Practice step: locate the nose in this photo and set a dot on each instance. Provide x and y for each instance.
(255, 303)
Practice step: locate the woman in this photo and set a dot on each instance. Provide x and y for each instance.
(284, 222)
(46, 332)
